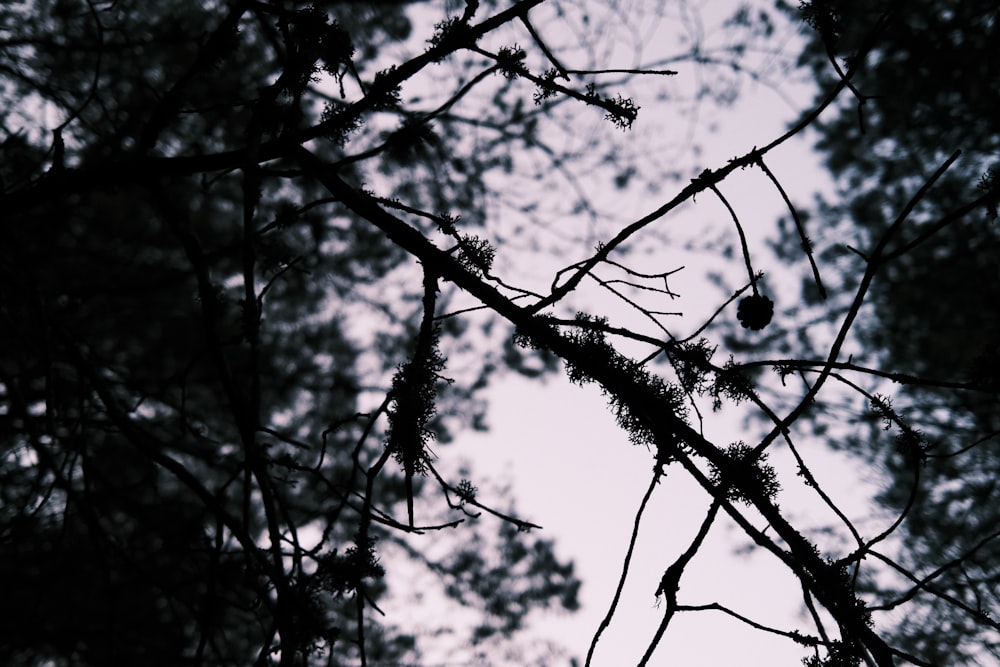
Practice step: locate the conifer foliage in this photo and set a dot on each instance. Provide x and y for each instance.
(261, 258)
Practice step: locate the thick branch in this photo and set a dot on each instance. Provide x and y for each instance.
(802, 557)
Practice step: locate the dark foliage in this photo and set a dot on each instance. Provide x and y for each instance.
(927, 88)
(191, 465)
(252, 285)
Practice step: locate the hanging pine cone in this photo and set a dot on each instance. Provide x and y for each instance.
(755, 311)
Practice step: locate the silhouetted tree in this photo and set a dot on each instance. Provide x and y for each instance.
(193, 335)
(252, 272)
(927, 88)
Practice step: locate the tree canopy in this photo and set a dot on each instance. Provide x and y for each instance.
(927, 91)
(261, 259)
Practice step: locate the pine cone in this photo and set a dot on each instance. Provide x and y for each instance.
(755, 311)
